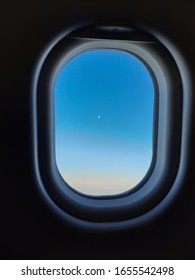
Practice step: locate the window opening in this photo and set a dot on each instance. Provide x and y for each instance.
(104, 111)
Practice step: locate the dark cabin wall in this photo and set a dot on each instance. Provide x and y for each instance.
(28, 228)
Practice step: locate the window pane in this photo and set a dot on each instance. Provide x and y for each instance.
(104, 110)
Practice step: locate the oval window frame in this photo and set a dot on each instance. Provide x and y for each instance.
(134, 207)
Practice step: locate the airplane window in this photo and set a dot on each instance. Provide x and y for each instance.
(104, 111)
(109, 112)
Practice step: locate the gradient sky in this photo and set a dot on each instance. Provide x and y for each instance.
(104, 103)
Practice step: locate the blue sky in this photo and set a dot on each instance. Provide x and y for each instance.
(104, 103)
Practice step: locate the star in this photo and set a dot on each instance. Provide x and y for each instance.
(99, 116)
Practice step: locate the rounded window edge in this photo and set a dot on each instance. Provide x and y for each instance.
(122, 216)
